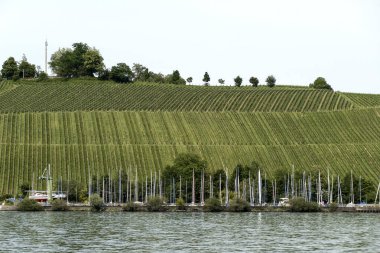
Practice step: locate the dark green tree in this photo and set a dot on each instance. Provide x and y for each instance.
(76, 191)
(9, 68)
(93, 62)
(366, 191)
(254, 81)
(25, 187)
(320, 83)
(175, 78)
(121, 73)
(221, 81)
(238, 81)
(26, 70)
(82, 60)
(140, 72)
(189, 80)
(156, 78)
(271, 81)
(183, 167)
(206, 78)
(79, 50)
(244, 172)
(104, 75)
(62, 62)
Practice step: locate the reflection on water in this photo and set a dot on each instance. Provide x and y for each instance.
(188, 232)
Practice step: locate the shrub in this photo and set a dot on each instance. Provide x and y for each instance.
(130, 207)
(180, 203)
(29, 205)
(96, 203)
(333, 207)
(213, 205)
(239, 205)
(300, 205)
(42, 77)
(5, 197)
(156, 204)
(59, 205)
(15, 78)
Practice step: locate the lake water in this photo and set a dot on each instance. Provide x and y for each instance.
(188, 232)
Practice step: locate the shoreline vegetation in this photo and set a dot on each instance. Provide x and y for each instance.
(197, 208)
(188, 183)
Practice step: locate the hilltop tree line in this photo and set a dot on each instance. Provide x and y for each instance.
(13, 70)
(84, 61)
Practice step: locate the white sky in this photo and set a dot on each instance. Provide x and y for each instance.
(295, 40)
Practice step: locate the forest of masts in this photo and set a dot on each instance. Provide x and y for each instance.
(256, 189)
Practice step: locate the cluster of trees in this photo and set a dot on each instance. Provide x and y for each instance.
(122, 73)
(11, 69)
(84, 61)
(254, 81)
(80, 60)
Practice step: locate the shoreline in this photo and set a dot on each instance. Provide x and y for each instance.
(192, 209)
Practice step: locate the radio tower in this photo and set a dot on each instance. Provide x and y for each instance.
(46, 45)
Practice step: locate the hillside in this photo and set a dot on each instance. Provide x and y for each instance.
(363, 100)
(145, 126)
(95, 95)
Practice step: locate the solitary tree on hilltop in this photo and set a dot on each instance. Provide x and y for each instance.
(320, 83)
(254, 81)
(221, 81)
(271, 81)
(238, 81)
(189, 80)
(206, 79)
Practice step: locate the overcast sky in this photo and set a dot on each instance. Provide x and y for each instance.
(295, 40)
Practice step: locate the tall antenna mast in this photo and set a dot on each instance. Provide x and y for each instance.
(46, 45)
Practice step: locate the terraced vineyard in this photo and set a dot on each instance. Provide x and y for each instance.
(79, 141)
(116, 127)
(364, 100)
(89, 96)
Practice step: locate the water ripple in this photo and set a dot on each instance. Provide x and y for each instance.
(188, 232)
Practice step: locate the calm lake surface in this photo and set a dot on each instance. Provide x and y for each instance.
(188, 232)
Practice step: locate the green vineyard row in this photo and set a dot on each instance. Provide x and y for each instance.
(89, 95)
(76, 142)
(364, 100)
(21, 163)
(190, 128)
